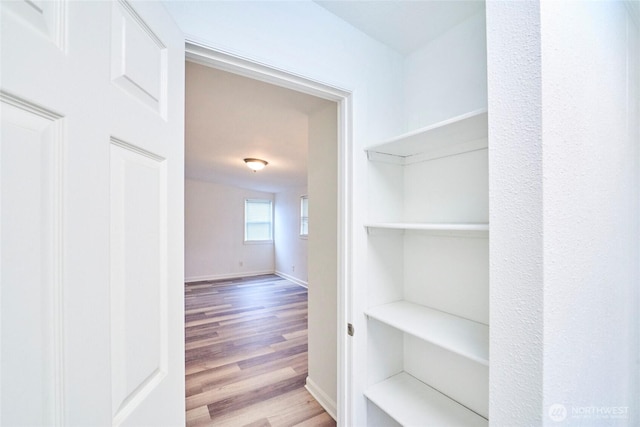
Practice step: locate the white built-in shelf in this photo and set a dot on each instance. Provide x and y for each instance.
(457, 135)
(462, 336)
(413, 403)
(425, 226)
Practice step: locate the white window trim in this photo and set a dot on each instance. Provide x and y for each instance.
(244, 224)
(300, 235)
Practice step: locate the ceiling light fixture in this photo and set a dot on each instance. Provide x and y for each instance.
(255, 164)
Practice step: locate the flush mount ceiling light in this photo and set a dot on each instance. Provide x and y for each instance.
(255, 164)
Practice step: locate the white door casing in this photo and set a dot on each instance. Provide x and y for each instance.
(91, 173)
(201, 52)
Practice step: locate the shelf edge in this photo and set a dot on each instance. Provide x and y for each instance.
(475, 358)
(379, 147)
(471, 227)
(370, 392)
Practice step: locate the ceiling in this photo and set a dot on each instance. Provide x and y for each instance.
(230, 117)
(403, 25)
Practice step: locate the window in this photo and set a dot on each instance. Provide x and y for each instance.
(258, 220)
(304, 216)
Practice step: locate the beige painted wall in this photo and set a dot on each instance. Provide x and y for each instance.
(214, 233)
(290, 249)
(322, 246)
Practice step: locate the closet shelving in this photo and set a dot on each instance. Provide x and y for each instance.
(464, 337)
(412, 403)
(429, 226)
(459, 134)
(407, 398)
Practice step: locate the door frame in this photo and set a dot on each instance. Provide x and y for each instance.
(200, 52)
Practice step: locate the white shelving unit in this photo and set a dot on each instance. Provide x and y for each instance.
(465, 337)
(428, 290)
(460, 134)
(413, 403)
(429, 226)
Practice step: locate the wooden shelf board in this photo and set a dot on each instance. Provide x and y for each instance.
(437, 137)
(461, 336)
(413, 403)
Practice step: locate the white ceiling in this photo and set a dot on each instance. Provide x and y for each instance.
(403, 25)
(230, 117)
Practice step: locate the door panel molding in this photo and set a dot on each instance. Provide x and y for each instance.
(138, 58)
(46, 17)
(32, 296)
(139, 347)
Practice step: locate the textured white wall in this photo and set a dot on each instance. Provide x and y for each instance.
(303, 38)
(564, 162)
(447, 77)
(214, 233)
(291, 249)
(590, 162)
(515, 213)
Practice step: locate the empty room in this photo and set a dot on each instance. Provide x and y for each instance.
(258, 160)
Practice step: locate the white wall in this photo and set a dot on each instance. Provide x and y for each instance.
(305, 39)
(214, 233)
(448, 76)
(590, 162)
(291, 249)
(564, 153)
(323, 252)
(515, 213)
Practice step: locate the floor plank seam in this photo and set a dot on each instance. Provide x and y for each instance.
(246, 354)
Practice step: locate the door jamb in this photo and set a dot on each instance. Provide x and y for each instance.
(202, 53)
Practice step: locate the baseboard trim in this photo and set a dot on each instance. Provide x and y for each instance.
(227, 276)
(322, 398)
(292, 279)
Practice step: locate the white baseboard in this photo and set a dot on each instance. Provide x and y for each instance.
(293, 279)
(227, 276)
(327, 403)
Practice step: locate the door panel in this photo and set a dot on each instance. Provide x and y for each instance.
(30, 262)
(147, 185)
(138, 279)
(45, 17)
(139, 58)
(92, 198)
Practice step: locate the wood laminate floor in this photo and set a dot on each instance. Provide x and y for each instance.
(246, 354)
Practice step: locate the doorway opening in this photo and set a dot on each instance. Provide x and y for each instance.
(324, 117)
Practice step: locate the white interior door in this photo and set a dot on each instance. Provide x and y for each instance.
(91, 173)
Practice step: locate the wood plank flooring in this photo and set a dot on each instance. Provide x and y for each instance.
(246, 354)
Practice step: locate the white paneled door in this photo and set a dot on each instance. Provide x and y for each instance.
(91, 173)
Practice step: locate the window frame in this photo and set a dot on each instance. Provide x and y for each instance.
(247, 241)
(302, 217)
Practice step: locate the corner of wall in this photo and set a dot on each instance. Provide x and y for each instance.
(323, 399)
(448, 76)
